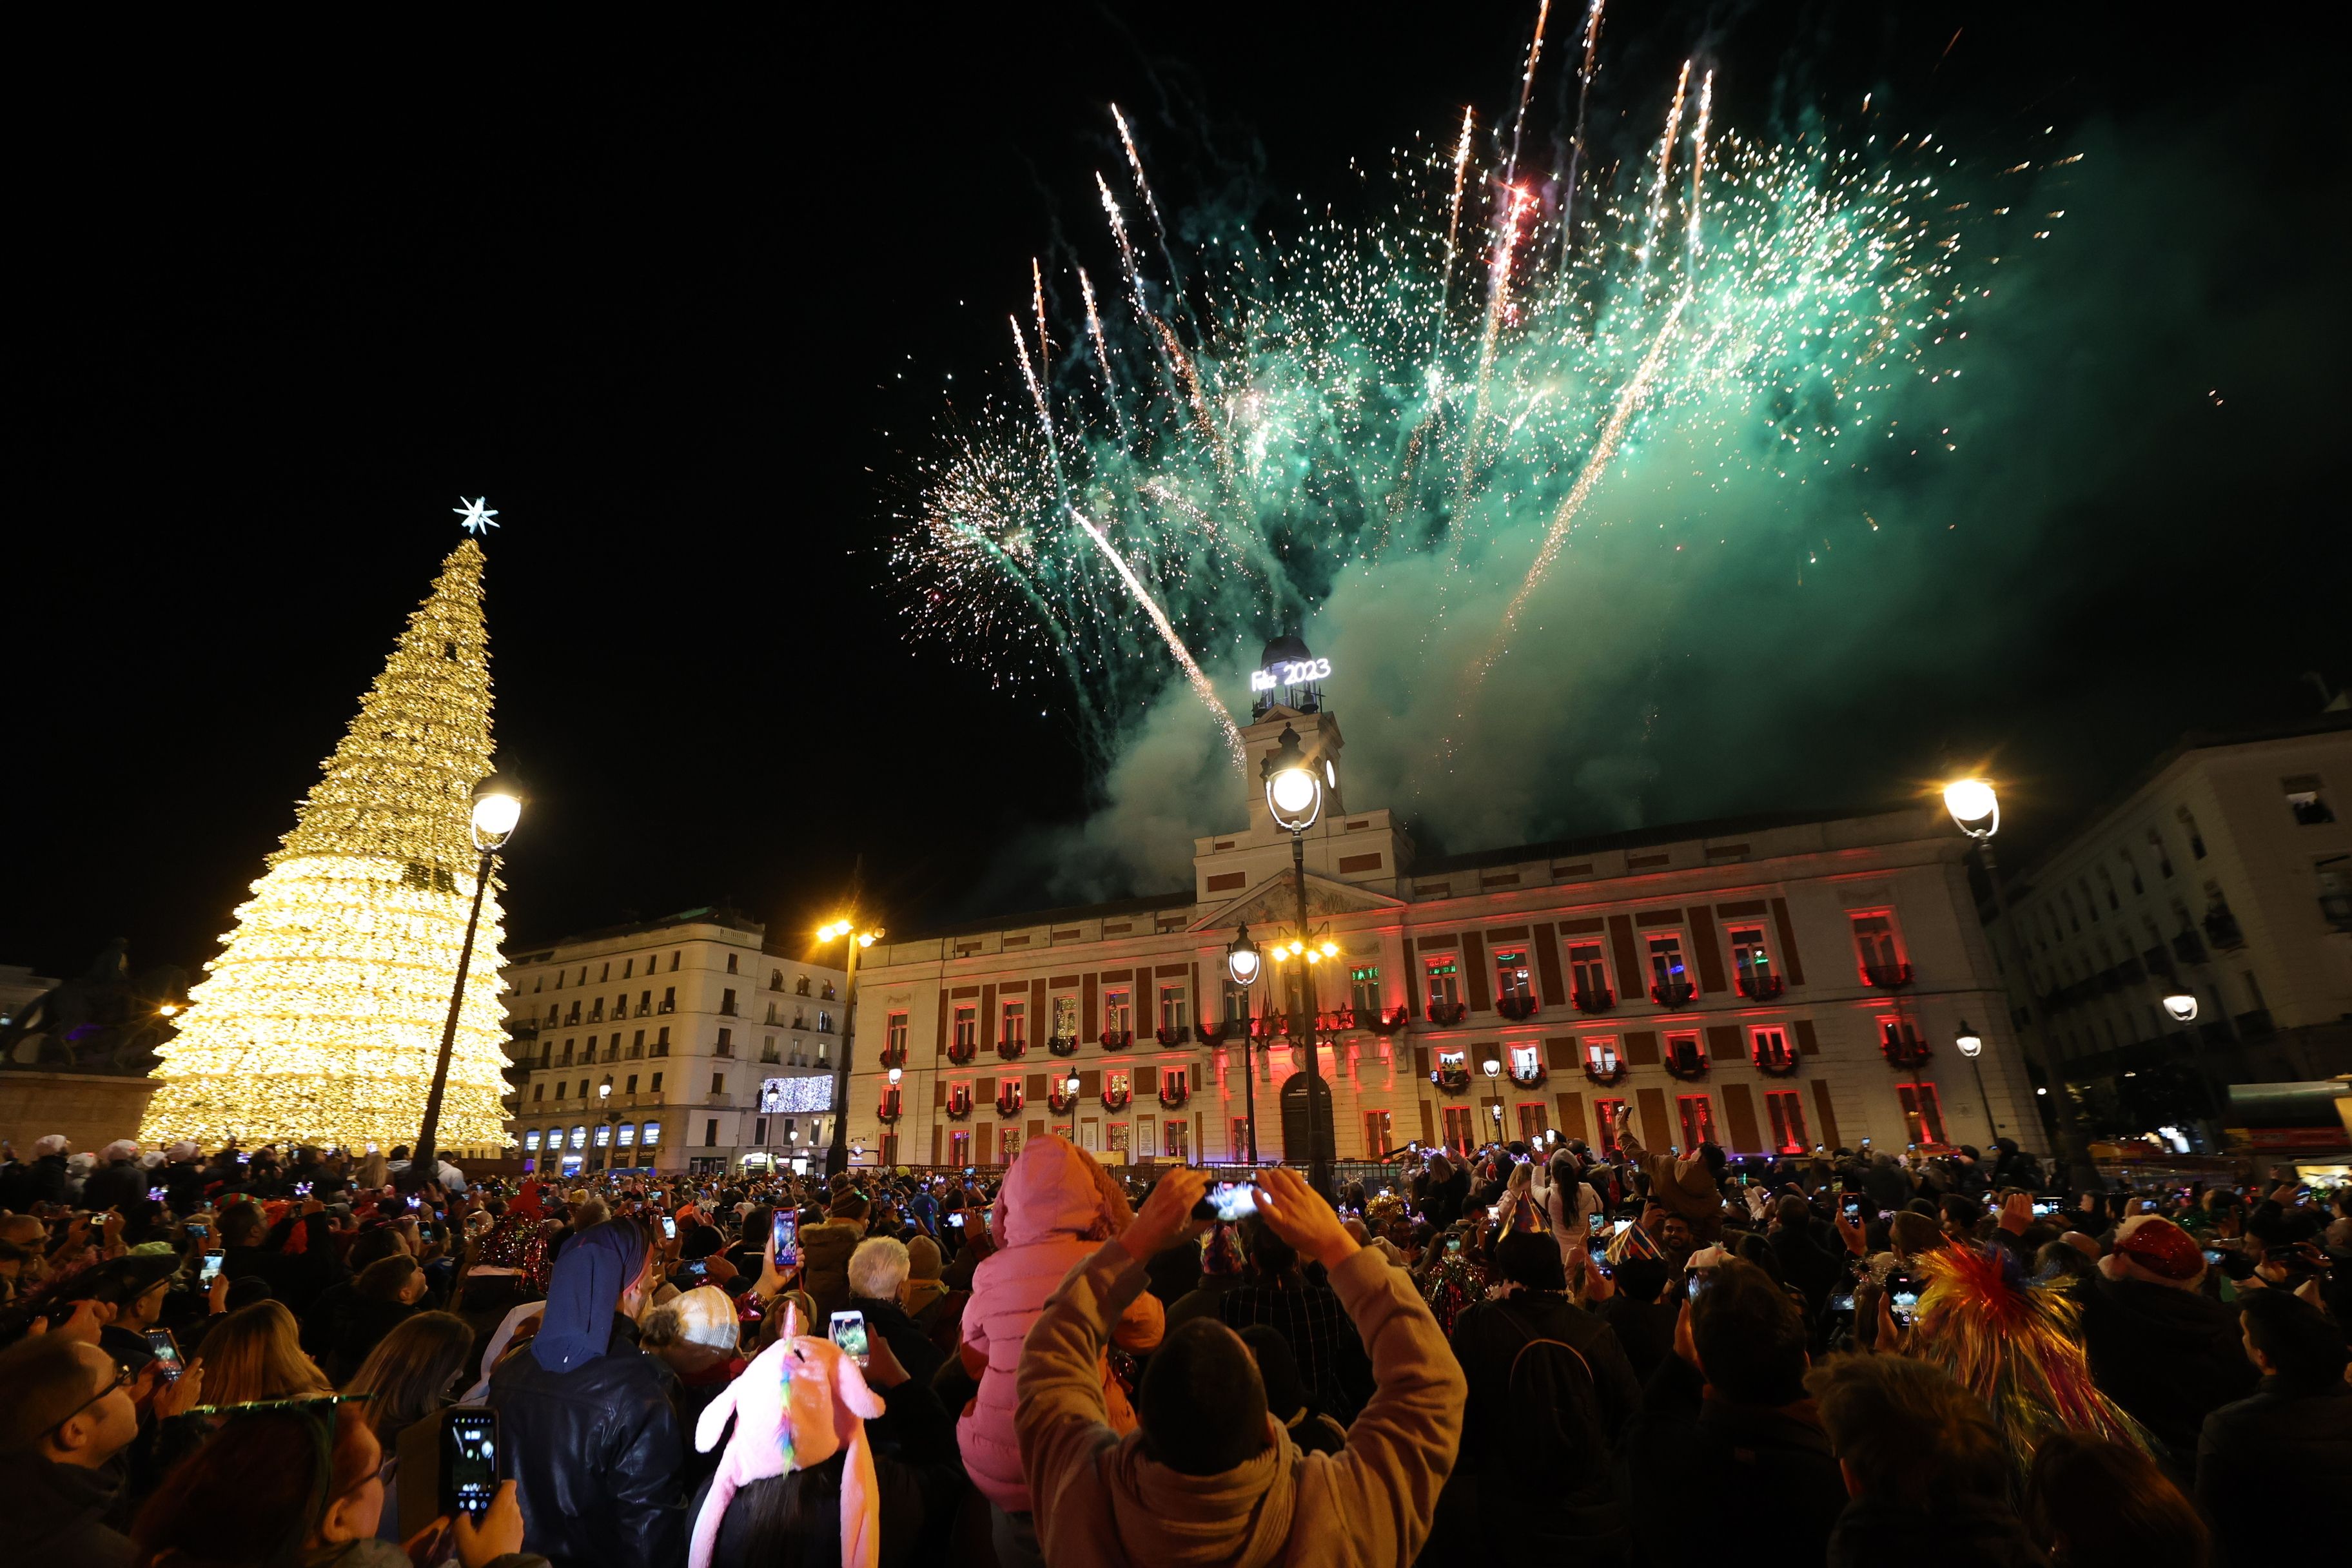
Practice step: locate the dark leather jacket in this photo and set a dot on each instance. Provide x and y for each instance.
(596, 1457)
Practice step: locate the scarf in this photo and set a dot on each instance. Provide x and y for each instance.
(581, 1296)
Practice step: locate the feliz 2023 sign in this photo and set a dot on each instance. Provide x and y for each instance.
(1290, 672)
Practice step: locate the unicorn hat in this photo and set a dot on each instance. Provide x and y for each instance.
(797, 1405)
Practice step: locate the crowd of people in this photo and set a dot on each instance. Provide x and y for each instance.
(1639, 1357)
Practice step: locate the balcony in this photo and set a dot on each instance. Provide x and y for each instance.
(1529, 1077)
(1761, 987)
(1447, 1012)
(1605, 1073)
(1062, 1045)
(1116, 1039)
(1011, 1050)
(1673, 992)
(1590, 1002)
(1517, 1007)
(1454, 1079)
(1685, 1061)
(1181, 1034)
(2158, 962)
(2223, 930)
(1388, 1022)
(1902, 1047)
(963, 1052)
(1886, 977)
(665, 1005)
(2188, 948)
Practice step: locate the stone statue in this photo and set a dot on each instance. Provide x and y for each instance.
(106, 1020)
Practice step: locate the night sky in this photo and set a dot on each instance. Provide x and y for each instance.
(282, 299)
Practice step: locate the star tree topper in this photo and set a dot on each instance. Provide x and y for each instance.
(478, 516)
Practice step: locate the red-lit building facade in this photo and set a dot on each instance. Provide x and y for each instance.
(1768, 983)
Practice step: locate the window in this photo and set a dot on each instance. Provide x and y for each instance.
(1606, 1113)
(1377, 1127)
(2131, 869)
(1525, 1061)
(626, 1134)
(2304, 800)
(536, 987)
(731, 963)
(802, 987)
(632, 1088)
(645, 1002)
(1364, 991)
(959, 1148)
(652, 1134)
(569, 1045)
(1534, 1121)
(1237, 1002)
(661, 1042)
(1066, 1017)
(1008, 1145)
(726, 1047)
(2196, 839)
(580, 1137)
(1008, 1091)
(1176, 1138)
(894, 1034)
(536, 1090)
(1601, 1055)
(1877, 950)
(775, 980)
(1445, 982)
(1697, 1120)
(559, 980)
(596, 1011)
(758, 1124)
(824, 1022)
(2107, 886)
(673, 962)
(726, 1003)
(1118, 1012)
(1751, 964)
(1114, 1082)
(1772, 1050)
(1923, 1112)
(1454, 1059)
(1669, 980)
(1685, 1054)
(1119, 1131)
(767, 1050)
(628, 969)
(669, 998)
(1511, 979)
(967, 1029)
(1175, 1012)
(710, 1132)
(1788, 1113)
(530, 1141)
(1461, 1129)
(1240, 1147)
(1016, 1023)
(604, 1135)
(719, 1083)
(1588, 973)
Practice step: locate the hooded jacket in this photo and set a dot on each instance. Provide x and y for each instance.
(1053, 1210)
(1683, 1186)
(1103, 1499)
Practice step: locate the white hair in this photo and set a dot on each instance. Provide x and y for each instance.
(878, 1268)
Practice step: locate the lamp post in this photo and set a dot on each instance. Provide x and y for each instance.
(1494, 1088)
(836, 1153)
(1971, 1046)
(1976, 810)
(1293, 793)
(496, 809)
(2180, 1006)
(1244, 964)
(1070, 1093)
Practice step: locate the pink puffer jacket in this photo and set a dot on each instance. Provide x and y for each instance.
(1058, 1204)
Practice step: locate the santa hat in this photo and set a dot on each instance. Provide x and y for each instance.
(2155, 1251)
(798, 1405)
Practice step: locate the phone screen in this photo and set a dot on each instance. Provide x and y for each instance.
(1699, 1280)
(786, 1227)
(2045, 1207)
(302, 1190)
(956, 1219)
(849, 1332)
(154, 1195)
(1843, 1302)
(1452, 1244)
(698, 1268)
(670, 1227)
(1226, 1201)
(212, 1261)
(167, 1353)
(1904, 1303)
(2211, 1256)
(469, 1462)
(199, 1229)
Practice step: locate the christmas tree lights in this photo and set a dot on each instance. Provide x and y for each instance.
(320, 1021)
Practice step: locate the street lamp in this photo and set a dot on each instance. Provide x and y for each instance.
(855, 941)
(498, 807)
(2181, 1007)
(1293, 793)
(1975, 806)
(1971, 1046)
(1494, 1069)
(1244, 964)
(1070, 1093)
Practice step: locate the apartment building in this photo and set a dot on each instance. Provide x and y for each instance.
(686, 1043)
(2223, 873)
(1768, 983)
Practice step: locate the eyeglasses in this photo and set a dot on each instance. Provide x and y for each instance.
(122, 1379)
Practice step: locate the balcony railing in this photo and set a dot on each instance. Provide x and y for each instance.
(1447, 1012)
(1761, 987)
(1686, 1062)
(1062, 1045)
(1116, 1039)
(1451, 1080)
(1600, 1001)
(1013, 1050)
(962, 1052)
(1179, 1036)
(1673, 992)
(1886, 977)
(1606, 1073)
(1903, 1047)
(1516, 1008)
(1531, 1076)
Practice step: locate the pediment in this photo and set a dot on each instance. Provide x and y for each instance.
(1274, 901)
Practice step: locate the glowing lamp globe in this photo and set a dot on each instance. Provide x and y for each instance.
(1973, 805)
(1968, 1040)
(1494, 1069)
(1070, 1084)
(894, 1075)
(496, 811)
(2181, 1007)
(1294, 790)
(1242, 960)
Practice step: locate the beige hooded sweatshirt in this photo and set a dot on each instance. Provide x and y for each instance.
(1101, 1499)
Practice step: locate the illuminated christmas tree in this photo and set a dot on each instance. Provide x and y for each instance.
(320, 1021)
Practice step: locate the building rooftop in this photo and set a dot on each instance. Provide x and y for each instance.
(708, 915)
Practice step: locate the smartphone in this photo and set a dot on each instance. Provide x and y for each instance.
(670, 1227)
(1601, 1268)
(1226, 1201)
(1853, 1208)
(411, 1202)
(154, 1195)
(2045, 1207)
(1843, 1302)
(1699, 1280)
(699, 1267)
(2213, 1257)
(786, 1228)
(302, 1190)
(1904, 1303)
(469, 1462)
(849, 1332)
(167, 1354)
(956, 1219)
(199, 1229)
(1453, 1246)
(212, 1261)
